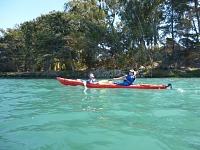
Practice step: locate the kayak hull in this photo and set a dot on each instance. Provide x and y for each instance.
(71, 82)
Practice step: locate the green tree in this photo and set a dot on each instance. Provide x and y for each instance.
(141, 23)
(11, 50)
(91, 31)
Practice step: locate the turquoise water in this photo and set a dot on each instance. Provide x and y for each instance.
(46, 115)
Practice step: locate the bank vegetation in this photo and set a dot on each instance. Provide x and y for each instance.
(161, 36)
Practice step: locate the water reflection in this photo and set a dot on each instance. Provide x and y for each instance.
(94, 90)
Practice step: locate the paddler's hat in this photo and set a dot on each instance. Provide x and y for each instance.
(131, 71)
(91, 75)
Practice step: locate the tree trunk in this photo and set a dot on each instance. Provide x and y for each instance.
(71, 59)
(172, 26)
(197, 14)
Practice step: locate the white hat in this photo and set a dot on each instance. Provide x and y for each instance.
(131, 70)
(91, 75)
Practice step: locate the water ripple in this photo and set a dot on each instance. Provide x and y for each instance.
(43, 114)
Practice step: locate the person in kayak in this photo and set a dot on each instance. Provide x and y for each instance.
(127, 80)
(91, 78)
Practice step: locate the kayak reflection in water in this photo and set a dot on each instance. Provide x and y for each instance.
(127, 79)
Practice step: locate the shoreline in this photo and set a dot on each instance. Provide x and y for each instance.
(105, 73)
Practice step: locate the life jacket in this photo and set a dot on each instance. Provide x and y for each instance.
(91, 80)
(130, 79)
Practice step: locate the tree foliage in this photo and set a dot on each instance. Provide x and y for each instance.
(105, 34)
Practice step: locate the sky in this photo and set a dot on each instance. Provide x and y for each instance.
(14, 12)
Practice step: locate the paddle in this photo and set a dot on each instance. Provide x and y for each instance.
(169, 85)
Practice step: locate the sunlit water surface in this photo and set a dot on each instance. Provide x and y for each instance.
(44, 114)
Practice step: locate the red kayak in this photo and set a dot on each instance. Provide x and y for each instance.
(72, 82)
